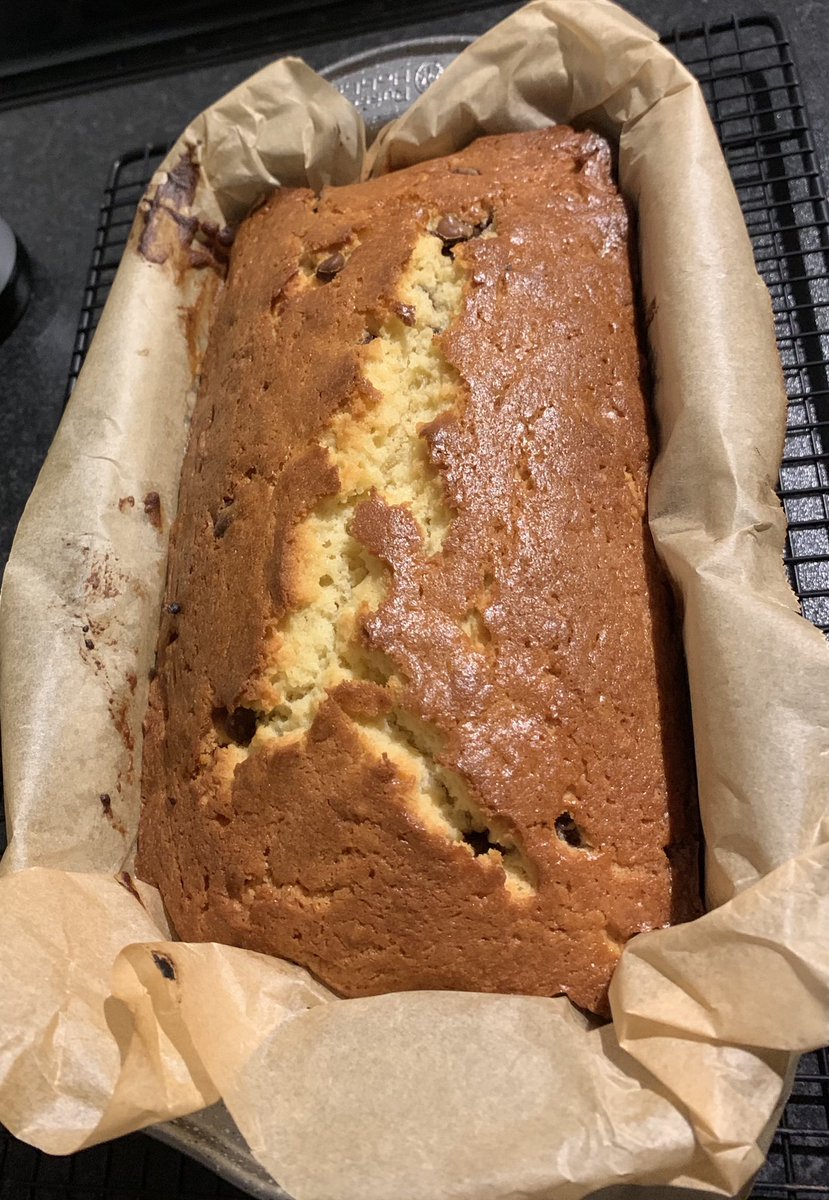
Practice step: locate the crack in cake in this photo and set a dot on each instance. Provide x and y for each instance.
(420, 718)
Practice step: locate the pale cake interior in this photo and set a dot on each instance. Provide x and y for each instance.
(315, 647)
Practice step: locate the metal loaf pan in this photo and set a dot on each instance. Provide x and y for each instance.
(750, 82)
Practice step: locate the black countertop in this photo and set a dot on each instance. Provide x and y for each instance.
(57, 154)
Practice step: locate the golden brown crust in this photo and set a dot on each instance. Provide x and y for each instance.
(527, 669)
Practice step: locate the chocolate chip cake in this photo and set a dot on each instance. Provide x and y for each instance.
(419, 718)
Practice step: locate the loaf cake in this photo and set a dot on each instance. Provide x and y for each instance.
(419, 714)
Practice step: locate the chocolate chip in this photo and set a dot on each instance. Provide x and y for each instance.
(84, 629)
(106, 802)
(481, 841)
(222, 523)
(152, 507)
(174, 608)
(165, 964)
(568, 830)
(331, 266)
(125, 880)
(237, 725)
(88, 642)
(478, 841)
(406, 313)
(465, 171)
(201, 258)
(242, 724)
(224, 517)
(452, 229)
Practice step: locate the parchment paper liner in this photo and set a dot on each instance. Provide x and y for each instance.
(107, 1026)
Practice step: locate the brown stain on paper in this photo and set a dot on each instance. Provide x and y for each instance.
(152, 508)
(125, 880)
(104, 581)
(167, 226)
(183, 241)
(165, 965)
(173, 234)
(119, 711)
(196, 319)
(106, 806)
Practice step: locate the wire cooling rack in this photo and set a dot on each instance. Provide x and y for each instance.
(749, 80)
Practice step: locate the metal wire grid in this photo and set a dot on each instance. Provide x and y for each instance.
(133, 1168)
(749, 80)
(128, 179)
